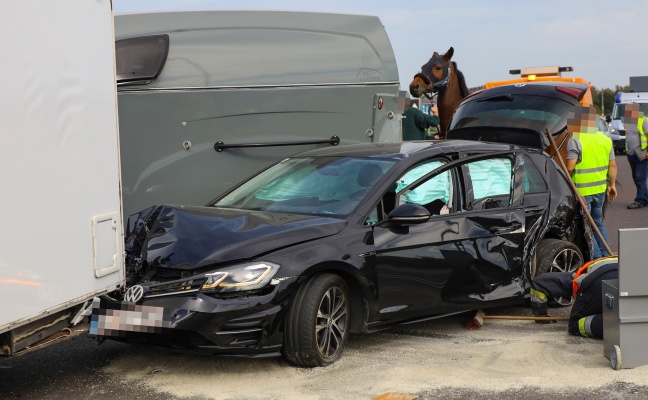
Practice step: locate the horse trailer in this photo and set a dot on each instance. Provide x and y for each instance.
(207, 98)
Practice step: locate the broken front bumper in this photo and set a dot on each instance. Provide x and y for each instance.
(200, 323)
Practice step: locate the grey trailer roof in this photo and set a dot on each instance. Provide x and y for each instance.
(257, 48)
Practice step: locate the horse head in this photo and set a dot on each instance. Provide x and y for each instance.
(434, 76)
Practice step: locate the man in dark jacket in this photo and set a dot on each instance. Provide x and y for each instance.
(415, 122)
(585, 285)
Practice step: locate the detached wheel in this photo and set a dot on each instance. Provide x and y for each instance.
(317, 323)
(555, 255)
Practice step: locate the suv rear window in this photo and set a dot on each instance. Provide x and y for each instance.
(522, 111)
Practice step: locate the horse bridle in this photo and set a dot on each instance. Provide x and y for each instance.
(443, 83)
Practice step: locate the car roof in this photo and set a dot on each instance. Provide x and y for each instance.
(402, 150)
(548, 89)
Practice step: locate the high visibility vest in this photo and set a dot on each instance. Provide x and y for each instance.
(642, 136)
(590, 175)
(588, 268)
(586, 276)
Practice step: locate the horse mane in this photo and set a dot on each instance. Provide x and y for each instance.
(462, 81)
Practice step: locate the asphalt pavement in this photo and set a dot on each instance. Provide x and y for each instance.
(617, 215)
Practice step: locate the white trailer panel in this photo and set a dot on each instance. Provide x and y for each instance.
(59, 160)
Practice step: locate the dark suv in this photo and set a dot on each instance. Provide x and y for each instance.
(537, 106)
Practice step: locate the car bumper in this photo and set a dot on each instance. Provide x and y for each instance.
(200, 323)
(619, 145)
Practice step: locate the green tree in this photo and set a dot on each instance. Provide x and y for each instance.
(607, 97)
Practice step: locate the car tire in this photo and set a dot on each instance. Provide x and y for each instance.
(317, 323)
(555, 255)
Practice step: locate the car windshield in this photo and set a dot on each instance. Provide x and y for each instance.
(619, 108)
(331, 186)
(533, 112)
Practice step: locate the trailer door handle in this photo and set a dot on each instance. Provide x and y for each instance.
(220, 146)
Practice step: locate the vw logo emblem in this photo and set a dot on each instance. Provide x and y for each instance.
(134, 294)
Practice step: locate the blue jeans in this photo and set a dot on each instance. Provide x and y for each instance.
(639, 174)
(595, 208)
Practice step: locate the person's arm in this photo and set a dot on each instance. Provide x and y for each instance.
(611, 180)
(571, 165)
(424, 121)
(431, 120)
(574, 155)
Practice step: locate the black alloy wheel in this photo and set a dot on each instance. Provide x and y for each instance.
(317, 322)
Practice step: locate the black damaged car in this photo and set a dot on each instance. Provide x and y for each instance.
(348, 239)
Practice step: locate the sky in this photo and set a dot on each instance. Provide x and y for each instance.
(600, 39)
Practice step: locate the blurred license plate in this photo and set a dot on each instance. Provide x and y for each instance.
(113, 318)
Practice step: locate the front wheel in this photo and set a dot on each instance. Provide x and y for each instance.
(555, 255)
(317, 323)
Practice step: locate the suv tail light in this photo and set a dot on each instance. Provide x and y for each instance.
(570, 91)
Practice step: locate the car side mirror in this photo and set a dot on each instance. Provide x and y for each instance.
(407, 214)
(608, 118)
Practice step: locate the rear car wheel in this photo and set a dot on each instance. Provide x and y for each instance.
(317, 323)
(555, 255)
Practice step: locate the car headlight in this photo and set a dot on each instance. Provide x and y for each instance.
(241, 277)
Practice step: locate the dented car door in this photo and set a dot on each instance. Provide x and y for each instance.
(470, 250)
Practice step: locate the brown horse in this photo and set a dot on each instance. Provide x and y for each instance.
(441, 76)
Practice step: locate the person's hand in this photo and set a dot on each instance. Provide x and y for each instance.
(611, 192)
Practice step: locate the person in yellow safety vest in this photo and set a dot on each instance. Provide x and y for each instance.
(585, 285)
(592, 165)
(637, 146)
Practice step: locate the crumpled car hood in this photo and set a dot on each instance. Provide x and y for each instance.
(187, 237)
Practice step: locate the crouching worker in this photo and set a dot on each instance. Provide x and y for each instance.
(585, 285)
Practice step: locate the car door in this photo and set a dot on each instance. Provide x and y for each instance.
(469, 252)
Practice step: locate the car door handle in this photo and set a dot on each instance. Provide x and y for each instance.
(509, 229)
(534, 208)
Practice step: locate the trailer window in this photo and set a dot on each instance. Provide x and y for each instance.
(140, 60)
